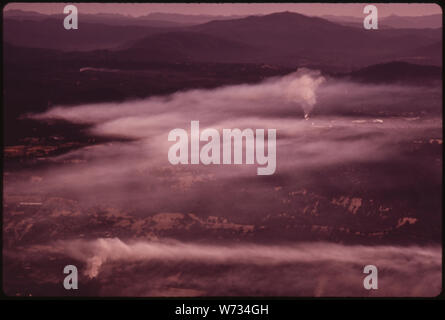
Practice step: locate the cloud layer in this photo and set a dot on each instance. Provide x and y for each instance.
(351, 123)
(377, 144)
(403, 271)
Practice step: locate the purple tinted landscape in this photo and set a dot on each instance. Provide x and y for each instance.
(87, 180)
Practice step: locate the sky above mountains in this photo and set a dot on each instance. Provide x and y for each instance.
(314, 9)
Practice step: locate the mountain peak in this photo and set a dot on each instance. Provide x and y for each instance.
(286, 15)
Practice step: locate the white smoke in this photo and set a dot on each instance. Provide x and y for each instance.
(167, 267)
(297, 88)
(136, 174)
(104, 171)
(100, 251)
(302, 90)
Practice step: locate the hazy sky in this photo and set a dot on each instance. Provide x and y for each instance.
(349, 9)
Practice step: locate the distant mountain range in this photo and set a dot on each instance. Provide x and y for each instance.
(285, 38)
(394, 72)
(392, 21)
(50, 34)
(161, 19)
(155, 19)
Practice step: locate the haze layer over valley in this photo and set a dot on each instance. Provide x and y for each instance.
(87, 179)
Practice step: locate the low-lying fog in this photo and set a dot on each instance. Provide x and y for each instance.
(347, 124)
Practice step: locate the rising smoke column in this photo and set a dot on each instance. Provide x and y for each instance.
(302, 89)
